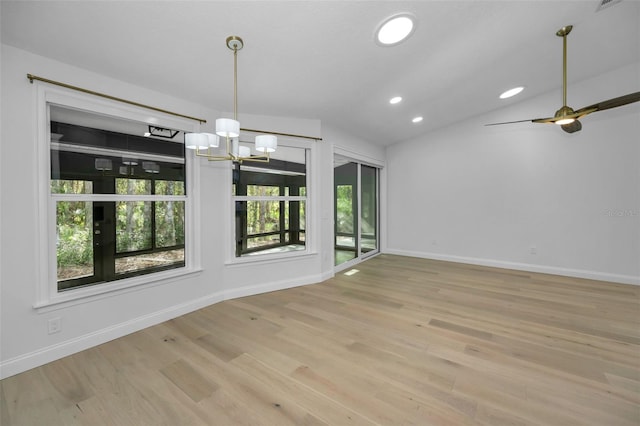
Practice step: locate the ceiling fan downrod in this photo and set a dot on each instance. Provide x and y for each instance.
(564, 32)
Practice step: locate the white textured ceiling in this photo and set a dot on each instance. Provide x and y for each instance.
(318, 59)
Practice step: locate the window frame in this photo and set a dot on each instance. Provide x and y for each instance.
(47, 294)
(310, 199)
(269, 180)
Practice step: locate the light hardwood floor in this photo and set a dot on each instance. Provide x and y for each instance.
(403, 341)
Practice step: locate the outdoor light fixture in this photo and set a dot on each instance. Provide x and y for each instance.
(229, 129)
(103, 164)
(161, 132)
(150, 167)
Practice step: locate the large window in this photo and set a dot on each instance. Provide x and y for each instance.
(271, 204)
(119, 198)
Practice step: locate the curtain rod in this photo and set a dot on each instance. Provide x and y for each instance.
(315, 138)
(32, 77)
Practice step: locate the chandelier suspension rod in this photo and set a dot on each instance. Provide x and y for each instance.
(235, 82)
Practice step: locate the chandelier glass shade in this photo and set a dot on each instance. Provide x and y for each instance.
(229, 129)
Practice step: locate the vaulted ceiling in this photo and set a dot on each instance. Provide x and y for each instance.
(318, 59)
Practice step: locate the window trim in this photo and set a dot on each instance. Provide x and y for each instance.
(47, 296)
(311, 199)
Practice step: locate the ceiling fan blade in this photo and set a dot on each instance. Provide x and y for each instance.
(545, 120)
(512, 122)
(576, 126)
(611, 103)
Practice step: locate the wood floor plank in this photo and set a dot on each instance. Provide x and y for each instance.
(403, 341)
(189, 380)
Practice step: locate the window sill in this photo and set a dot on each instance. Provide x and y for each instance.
(101, 291)
(270, 258)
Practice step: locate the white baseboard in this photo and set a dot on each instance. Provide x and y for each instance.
(48, 354)
(272, 286)
(578, 273)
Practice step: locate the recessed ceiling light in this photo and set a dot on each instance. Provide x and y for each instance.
(511, 92)
(395, 100)
(395, 29)
(416, 119)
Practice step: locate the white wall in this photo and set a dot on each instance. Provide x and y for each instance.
(487, 195)
(24, 341)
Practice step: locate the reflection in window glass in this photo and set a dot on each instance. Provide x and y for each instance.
(74, 239)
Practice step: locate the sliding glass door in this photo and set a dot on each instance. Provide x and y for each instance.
(356, 210)
(368, 209)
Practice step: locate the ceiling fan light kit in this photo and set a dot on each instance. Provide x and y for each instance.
(566, 117)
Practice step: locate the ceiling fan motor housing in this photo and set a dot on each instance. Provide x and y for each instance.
(564, 111)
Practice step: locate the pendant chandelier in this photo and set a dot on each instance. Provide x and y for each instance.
(229, 129)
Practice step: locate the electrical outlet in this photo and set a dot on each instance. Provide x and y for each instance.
(55, 325)
(534, 250)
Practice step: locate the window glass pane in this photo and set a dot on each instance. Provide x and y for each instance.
(344, 209)
(287, 222)
(133, 186)
(265, 226)
(369, 209)
(133, 226)
(345, 241)
(89, 146)
(302, 215)
(59, 186)
(263, 191)
(169, 223)
(169, 187)
(102, 241)
(263, 216)
(142, 262)
(74, 239)
(264, 241)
